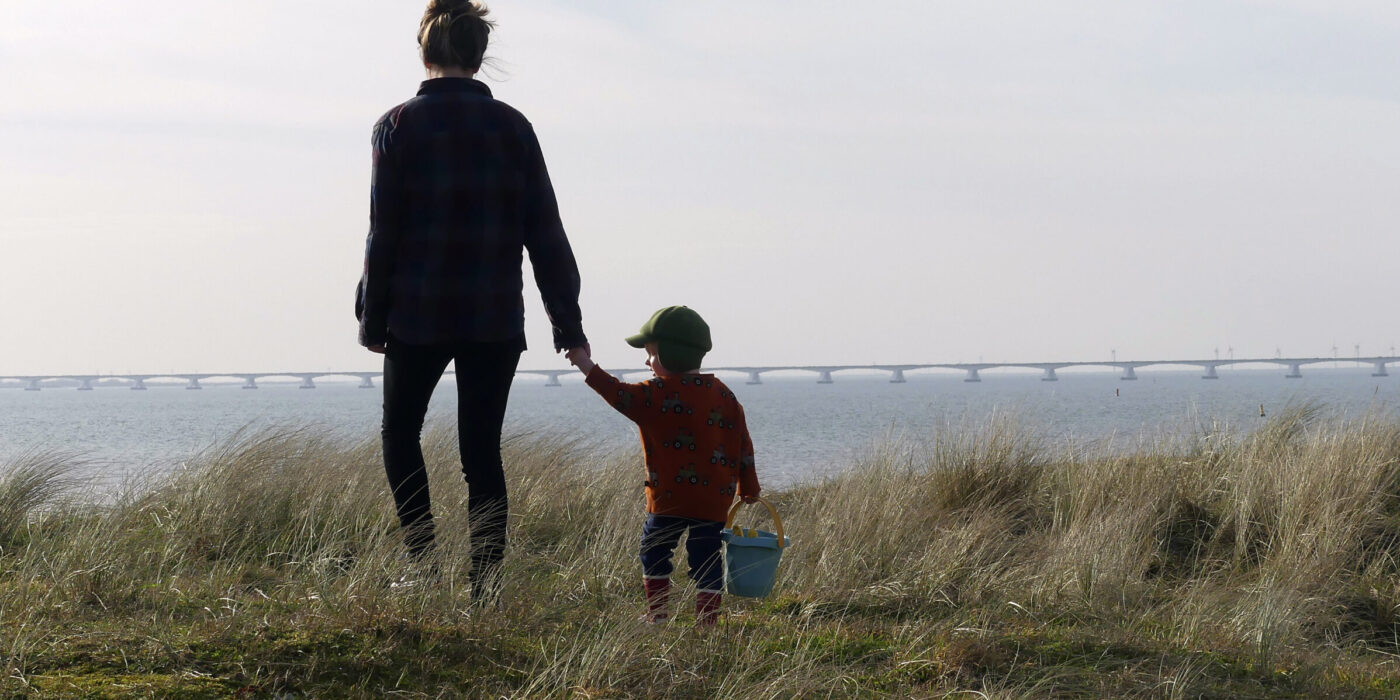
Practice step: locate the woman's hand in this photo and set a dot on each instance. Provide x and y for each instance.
(586, 347)
(376, 348)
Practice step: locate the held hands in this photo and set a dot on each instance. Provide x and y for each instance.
(581, 357)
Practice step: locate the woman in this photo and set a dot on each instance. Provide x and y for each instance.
(459, 191)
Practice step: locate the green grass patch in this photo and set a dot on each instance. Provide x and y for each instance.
(987, 565)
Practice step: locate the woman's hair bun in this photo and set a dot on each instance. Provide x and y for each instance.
(442, 7)
(453, 33)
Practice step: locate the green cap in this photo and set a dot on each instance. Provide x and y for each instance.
(682, 338)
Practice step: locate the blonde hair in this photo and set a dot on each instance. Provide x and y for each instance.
(453, 33)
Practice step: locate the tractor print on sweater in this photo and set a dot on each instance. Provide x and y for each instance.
(672, 404)
(684, 439)
(687, 474)
(690, 475)
(623, 402)
(717, 418)
(719, 457)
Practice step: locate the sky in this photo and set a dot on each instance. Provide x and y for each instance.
(184, 184)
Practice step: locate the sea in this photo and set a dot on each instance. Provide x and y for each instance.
(802, 430)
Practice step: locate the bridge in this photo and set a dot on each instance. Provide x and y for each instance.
(1128, 368)
(825, 373)
(137, 382)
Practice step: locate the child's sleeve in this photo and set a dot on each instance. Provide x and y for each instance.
(629, 399)
(748, 476)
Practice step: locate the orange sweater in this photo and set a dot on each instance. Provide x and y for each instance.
(696, 443)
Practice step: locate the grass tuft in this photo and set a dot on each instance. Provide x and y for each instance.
(31, 483)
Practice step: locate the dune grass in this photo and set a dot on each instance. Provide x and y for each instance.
(981, 562)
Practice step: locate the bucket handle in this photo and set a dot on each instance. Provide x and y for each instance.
(777, 522)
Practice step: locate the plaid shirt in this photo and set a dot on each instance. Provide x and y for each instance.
(459, 191)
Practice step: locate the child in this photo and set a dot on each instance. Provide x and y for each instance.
(698, 454)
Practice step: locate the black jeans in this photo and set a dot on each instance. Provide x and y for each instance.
(484, 374)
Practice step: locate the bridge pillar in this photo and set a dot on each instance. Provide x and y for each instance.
(194, 384)
(897, 377)
(1295, 371)
(1210, 373)
(826, 377)
(366, 381)
(554, 379)
(87, 385)
(1129, 374)
(754, 379)
(306, 383)
(250, 383)
(1049, 375)
(1380, 370)
(973, 376)
(33, 385)
(138, 384)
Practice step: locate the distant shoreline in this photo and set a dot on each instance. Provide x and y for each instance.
(110, 381)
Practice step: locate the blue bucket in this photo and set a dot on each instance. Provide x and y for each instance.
(751, 556)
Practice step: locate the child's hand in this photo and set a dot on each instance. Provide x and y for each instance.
(751, 499)
(580, 357)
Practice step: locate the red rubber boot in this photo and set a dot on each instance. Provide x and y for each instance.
(707, 608)
(658, 596)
